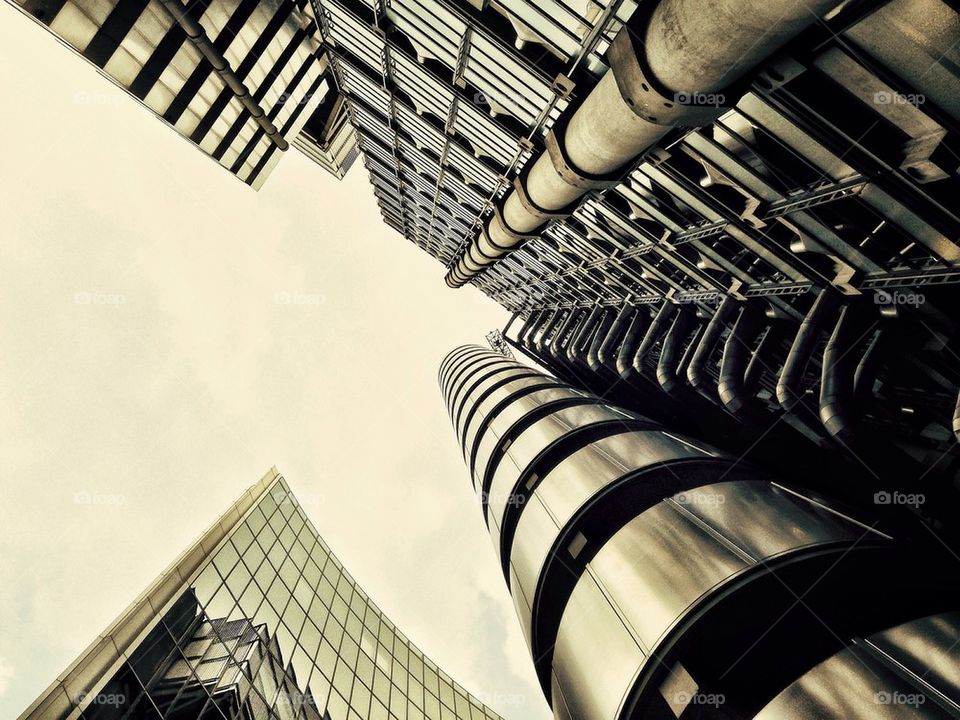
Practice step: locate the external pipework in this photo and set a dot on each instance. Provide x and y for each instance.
(670, 353)
(697, 369)
(733, 384)
(628, 348)
(668, 68)
(615, 336)
(531, 325)
(655, 331)
(553, 348)
(837, 376)
(599, 338)
(804, 344)
(575, 353)
(542, 342)
(651, 572)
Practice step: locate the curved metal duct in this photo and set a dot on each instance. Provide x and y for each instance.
(576, 351)
(805, 342)
(599, 338)
(541, 343)
(531, 325)
(673, 53)
(553, 348)
(737, 358)
(628, 348)
(615, 337)
(656, 330)
(837, 375)
(671, 352)
(909, 670)
(697, 370)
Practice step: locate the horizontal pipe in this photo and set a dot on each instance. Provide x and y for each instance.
(688, 47)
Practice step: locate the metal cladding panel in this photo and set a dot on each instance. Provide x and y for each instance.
(909, 671)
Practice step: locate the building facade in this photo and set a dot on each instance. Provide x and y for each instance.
(242, 81)
(257, 620)
(657, 577)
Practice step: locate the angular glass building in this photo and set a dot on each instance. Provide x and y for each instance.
(257, 620)
(656, 577)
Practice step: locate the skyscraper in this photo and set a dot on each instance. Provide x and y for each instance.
(241, 81)
(256, 620)
(655, 576)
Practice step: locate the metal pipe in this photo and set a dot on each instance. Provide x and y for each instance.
(657, 329)
(611, 343)
(837, 375)
(577, 345)
(670, 354)
(198, 36)
(593, 354)
(556, 342)
(867, 368)
(641, 321)
(529, 327)
(569, 348)
(548, 326)
(697, 371)
(736, 361)
(795, 366)
(681, 50)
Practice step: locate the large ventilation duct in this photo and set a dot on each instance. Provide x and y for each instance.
(651, 572)
(679, 63)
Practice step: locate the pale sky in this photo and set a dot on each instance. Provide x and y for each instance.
(149, 375)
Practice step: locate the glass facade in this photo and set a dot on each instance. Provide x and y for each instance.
(269, 626)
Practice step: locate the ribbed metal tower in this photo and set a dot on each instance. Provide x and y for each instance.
(656, 577)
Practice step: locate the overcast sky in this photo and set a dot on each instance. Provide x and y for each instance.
(149, 375)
